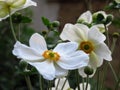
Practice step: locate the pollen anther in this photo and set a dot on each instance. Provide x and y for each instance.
(86, 46)
(49, 54)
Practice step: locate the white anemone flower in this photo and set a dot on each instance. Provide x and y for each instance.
(91, 41)
(8, 7)
(51, 63)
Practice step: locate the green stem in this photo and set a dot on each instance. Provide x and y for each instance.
(40, 81)
(28, 82)
(57, 84)
(83, 83)
(117, 85)
(98, 76)
(87, 81)
(64, 84)
(113, 71)
(77, 76)
(12, 28)
(50, 83)
(104, 74)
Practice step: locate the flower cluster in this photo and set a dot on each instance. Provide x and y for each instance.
(82, 45)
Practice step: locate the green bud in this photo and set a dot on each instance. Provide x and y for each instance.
(116, 35)
(44, 32)
(23, 64)
(108, 19)
(98, 17)
(88, 70)
(56, 24)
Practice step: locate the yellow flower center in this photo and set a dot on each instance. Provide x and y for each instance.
(54, 56)
(86, 46)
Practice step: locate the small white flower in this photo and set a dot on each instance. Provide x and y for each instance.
(51, 63)
(91, 41)
(8, 7)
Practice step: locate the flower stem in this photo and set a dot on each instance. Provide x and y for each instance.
(40, 81)
(57, 84)
(98, 76)
(87, 81)
(77, 76)
(83, 83)
(117, 85)
(113, 71)
(12, 28)
(64, 84)
(28, 82)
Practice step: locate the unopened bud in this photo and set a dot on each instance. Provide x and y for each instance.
(88, 70)
(23, 64)
(116, 35)
(56, 24)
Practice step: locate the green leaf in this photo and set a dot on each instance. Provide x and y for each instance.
(26, 19)
(45, 21)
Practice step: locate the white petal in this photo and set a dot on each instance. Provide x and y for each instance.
(70, 32)
(86, 17)
(96, 36)
(74, 60)
(103, 51)
(46, 69)
(29, 3)
(25, 52)
(100, 27)
(37, 42)
(94, 60)
(84, 29)
(66, 48)
(82, 73)
(60, 72)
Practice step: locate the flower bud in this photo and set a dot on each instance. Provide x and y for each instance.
(116, 35)
(44, 32)
(23, 64)
(88, 70)
(98, 17)
(56, 24)
(108, 19)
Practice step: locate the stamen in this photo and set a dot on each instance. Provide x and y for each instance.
(87, 46)
(54, 56)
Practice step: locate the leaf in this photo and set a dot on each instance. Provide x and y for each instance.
(46, 21)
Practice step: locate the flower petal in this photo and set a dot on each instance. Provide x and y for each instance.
(95, 35)
(17, 3)
(72, 33)
(3, 9)
(60, 72)
(37, 42)
(94, 60)
(25, 52)
(84, 29)
(86, 17)
(29, 3)
(46, 69)
(66, 48)
(73, 60)
(103, 51)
